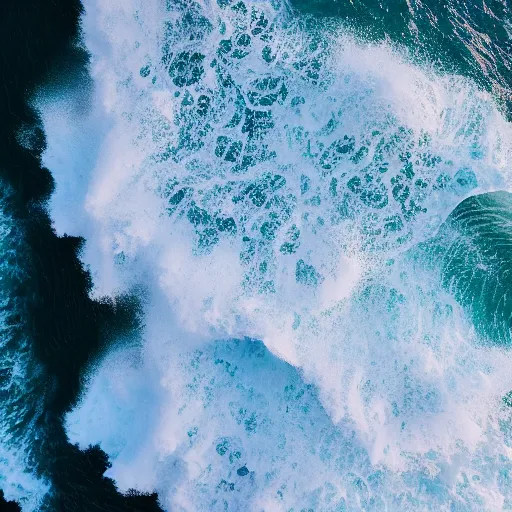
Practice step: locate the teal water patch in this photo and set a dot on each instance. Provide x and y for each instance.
(473, 253)
(266, 176)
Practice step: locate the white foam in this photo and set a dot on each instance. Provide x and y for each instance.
(400, 379)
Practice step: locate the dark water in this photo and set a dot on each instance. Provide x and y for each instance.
(66, 329)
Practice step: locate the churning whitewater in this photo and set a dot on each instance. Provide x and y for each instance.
(277, 192)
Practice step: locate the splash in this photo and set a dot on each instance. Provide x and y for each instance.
(266, 177)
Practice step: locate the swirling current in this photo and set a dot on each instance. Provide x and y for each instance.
(256, 255)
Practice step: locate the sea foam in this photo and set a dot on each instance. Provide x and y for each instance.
(264, 176)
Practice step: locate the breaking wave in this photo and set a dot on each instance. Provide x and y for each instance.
(317, 335)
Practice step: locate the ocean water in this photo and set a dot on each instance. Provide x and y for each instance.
(297, 221)
(20, 374)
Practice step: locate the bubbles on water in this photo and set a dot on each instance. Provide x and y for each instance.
(255, 128)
